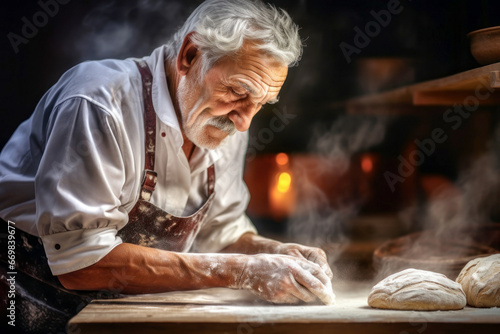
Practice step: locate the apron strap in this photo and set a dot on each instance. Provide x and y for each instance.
(211, 180)
(150, 176)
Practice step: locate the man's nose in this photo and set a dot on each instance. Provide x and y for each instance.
(242, 115)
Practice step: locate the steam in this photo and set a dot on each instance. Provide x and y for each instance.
(472, 200)
(452, 217)
(347, 136)
(454, 210)
(321, 218)
(131, 29)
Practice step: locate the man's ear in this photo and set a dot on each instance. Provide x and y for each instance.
(187, 56)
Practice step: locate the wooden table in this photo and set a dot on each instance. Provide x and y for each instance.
(230, 311)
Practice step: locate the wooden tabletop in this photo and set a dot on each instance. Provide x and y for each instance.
(231, 311)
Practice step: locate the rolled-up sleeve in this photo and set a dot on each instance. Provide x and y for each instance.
(73, 250)
(79, 186)
(227, 221)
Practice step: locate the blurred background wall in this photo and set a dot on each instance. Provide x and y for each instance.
(432, 34)
(341, 156)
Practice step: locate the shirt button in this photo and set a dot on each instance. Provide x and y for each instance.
(163, 134)
(57, 246)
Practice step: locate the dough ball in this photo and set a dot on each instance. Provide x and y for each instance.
(414, 289)
(480, 279)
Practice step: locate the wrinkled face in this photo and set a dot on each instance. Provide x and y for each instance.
(229, 95)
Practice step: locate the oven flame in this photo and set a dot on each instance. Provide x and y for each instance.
(366, 164)
(281, 190)
(284, 181)
(282, 159)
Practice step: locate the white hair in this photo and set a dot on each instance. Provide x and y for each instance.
(221, 26)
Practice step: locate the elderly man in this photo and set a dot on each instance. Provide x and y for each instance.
(129, 172)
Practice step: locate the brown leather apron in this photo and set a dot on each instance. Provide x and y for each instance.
(148, 224)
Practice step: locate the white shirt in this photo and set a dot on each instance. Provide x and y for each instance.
(72, 172)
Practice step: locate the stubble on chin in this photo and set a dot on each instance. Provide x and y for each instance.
(196, 131)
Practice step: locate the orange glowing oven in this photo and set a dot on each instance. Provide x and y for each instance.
(286, 184)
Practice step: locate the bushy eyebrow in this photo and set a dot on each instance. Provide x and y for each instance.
(251, 91)
(247, 88)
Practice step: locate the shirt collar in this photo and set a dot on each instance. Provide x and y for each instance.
(165, 111)
(162, 101)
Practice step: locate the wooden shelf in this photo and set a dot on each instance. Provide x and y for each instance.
(474, 86)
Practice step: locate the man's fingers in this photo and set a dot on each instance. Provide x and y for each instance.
(330, 295)
(328, 271)
(318, 256)
(302, 293)
(322, 290)
(316, 271)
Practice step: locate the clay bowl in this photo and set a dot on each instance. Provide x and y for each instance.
(447, 254)
(485, 45)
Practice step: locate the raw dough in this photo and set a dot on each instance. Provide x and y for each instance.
(480, 279)
(414, 289)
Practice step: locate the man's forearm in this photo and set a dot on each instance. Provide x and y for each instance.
(135, 269)
(130, 268)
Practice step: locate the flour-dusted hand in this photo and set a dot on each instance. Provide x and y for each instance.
(285, 279)
(313, 254)
(293, 264)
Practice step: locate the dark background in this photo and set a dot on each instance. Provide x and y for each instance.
(432, 33)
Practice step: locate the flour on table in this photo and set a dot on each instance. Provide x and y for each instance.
(414, 289)
(480, 279)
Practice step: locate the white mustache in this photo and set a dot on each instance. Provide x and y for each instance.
(222, 123)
